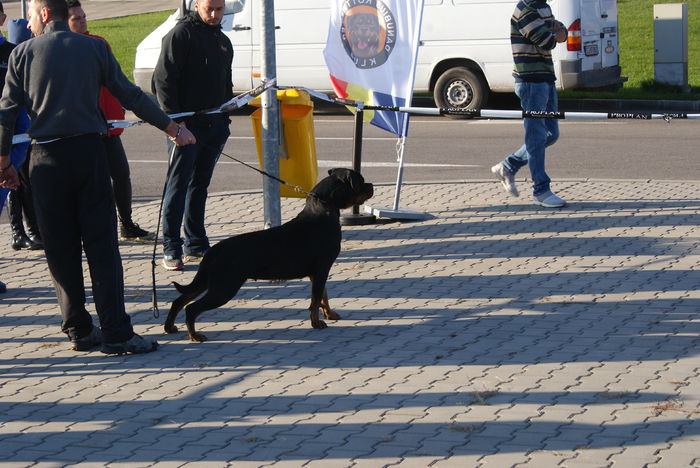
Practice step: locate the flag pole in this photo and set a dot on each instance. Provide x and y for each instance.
(395, 212)
(399, 177)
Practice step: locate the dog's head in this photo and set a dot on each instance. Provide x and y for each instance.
(363, 32)
(343, 188)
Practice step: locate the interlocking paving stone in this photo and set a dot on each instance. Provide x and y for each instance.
(495, 334)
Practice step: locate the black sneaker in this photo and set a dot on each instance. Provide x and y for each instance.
(136, 345)
(88, 342)
(130, 231)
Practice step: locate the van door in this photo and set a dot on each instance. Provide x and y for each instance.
(301, 29)
(239, 28)
(610, 51)
(591, 34)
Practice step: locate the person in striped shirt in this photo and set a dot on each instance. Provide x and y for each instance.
(533, 34)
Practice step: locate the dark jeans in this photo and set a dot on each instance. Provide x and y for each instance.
(189, 174)
(119, 173)
(75, 211)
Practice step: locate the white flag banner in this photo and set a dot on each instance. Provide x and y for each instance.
(371, 54)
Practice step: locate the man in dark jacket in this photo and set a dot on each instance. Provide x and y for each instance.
(58, 75)
(193, 73)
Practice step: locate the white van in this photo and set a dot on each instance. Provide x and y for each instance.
(464, 51)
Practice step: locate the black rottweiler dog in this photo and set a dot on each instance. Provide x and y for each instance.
(305, 246)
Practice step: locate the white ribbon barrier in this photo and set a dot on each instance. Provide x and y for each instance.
(502, 114)
(244, 98)
(229, 106)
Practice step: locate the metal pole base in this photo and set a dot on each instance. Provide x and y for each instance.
(357, 219)
(399, 213)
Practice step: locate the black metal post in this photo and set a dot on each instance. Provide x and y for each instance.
(357, 218)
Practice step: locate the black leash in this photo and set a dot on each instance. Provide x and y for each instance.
(295, 187)
(155, 240)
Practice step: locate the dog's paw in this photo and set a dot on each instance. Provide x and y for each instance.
(170, 328)
(331, 315)
(319, 325)
(197, 337)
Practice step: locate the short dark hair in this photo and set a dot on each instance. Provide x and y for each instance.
(2, 9)
(73, 3)
(59, 9)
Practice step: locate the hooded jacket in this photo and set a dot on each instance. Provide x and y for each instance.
(194, 69)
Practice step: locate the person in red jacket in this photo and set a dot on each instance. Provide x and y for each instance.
(116, 156)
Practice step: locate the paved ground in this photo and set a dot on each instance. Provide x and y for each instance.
(495, 334)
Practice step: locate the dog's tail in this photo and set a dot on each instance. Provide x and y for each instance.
(188, 294)
(187, 289)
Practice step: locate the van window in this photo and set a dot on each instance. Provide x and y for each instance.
(230, 6)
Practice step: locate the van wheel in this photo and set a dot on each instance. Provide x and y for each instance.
(460, 88)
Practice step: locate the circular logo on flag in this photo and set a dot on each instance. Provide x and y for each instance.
(368, 32)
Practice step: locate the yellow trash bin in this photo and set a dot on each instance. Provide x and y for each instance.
(297, 159)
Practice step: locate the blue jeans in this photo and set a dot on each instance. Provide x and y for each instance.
(189, 174)
(539, 133)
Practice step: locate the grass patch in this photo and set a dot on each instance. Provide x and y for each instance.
(636, 34)
(125, 33)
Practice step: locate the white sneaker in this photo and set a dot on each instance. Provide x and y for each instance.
(549, 200)
(507, 179)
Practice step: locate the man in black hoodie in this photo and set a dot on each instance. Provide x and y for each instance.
(193, 73)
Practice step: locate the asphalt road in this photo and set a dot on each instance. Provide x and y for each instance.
(442, 149)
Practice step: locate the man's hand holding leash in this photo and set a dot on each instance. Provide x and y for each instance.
(179, 134)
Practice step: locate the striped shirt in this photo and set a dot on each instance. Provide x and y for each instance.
(532, 41)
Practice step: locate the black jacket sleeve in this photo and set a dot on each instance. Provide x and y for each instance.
(169, 69)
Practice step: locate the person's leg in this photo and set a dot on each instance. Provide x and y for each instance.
(519, 157)
(98, 232)
(14, 209)
(552, 124)
(118, 165)
(505, 170)
(54, 183)
(28, 204)
(119, 173)
(181, 165)
(214, 139)
(535, 97)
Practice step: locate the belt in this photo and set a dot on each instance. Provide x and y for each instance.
(36, 141)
